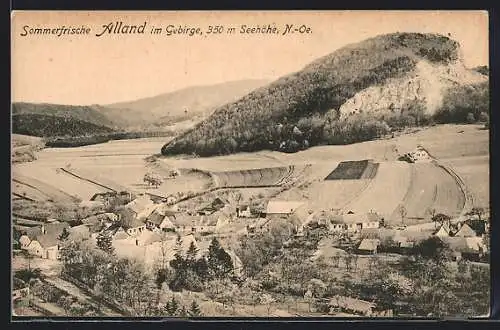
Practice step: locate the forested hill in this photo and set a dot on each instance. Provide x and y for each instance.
(353, 94)
(47, 120)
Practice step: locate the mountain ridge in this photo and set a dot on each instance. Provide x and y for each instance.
(311, 99)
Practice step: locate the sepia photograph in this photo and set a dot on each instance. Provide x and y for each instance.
(260, 164)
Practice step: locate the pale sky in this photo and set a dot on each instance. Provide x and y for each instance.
(112, 68)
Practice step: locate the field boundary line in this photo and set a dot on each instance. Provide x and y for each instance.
(24, 197)
(468, 200)
(88, 180)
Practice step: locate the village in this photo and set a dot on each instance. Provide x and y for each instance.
(145, 227)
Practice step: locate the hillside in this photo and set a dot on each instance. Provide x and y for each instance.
(357, 93)
(185, 104)
(90, 114)
(48, 120)
(50, 126)
(24, 148)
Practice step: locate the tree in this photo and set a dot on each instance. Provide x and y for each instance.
(171, 307)
(476, 211)
(402, 212)
(432, 213)
(153, 179)
(191, 254)
(194, 310)
(433, 248)
(483, 117)
(220, 263)
(105, 242)
(470, 118)
(64, 235)
(183, 312)
(441, 219)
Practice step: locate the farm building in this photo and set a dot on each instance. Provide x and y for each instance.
(443, 231)
(140, 206)
(155, 219)
(217, 204)
(184, 223)
(282, 207)
(357, 222)
(469, 248)
(46, 244)
(119, 233)
(244, 211)
(98, 222)
(351, 305)
(24, 241)
(80, 232)
(465, 231)
(134, 227)
(479, 226)
(106, 197)
(368, 246)
(147, 237)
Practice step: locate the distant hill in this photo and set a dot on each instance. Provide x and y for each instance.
(357, 93)
(181, 108)
(48, 120)
(90, 114)
(185, 104)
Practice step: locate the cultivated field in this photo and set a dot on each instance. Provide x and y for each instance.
(475, 171)
(354, 170)
(385, 191)
(259, 177)
(430, 188)
(122, 164)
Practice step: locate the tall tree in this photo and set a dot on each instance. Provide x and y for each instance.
(220, 263)
(63, 236)
(194, 310)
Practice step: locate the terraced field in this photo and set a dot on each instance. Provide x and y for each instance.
(122, 164)
(259, 177)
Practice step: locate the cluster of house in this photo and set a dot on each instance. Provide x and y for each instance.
(141, 221)
(465, 239)
(43, 241)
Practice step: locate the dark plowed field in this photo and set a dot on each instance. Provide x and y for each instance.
(354, 170)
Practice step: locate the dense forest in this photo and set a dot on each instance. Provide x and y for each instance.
(50, 125)
(89, 114)
(301, 109)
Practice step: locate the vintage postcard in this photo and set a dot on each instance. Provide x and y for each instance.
(250, 164)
